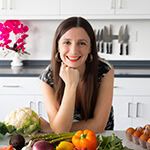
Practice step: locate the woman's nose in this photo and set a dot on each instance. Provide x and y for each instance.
(74, 48)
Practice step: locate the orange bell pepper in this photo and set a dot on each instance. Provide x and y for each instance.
(85, 139)
(10, 147)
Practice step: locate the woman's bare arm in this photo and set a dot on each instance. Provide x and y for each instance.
(61, 116)
(103, 106)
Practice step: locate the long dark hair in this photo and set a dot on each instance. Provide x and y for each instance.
(90, 80)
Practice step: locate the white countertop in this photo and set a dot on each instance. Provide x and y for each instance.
(120, 134)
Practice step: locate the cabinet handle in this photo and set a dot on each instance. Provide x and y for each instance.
(129, 105)
(40, 108)
(137, 110)
(31, 104)
(11, 86)
(3, 4)
(116, 87)
(120, 4)
(11, 4)
(113, 4)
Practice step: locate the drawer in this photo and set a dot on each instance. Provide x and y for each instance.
(132, 86)
(20, 85)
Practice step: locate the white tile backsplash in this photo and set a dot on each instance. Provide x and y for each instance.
(41, 34)
(139, 42)
(39, 41)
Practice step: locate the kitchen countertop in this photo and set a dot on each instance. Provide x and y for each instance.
(120, 134)
(21, 71)
(132, 72)
(34, 68)
(36, 71)
(30, 68)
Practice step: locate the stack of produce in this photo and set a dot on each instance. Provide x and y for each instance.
(139, 135)
(79, 140)
(23, 124)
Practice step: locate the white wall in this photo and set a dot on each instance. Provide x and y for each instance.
(41, 35)
(139, 42)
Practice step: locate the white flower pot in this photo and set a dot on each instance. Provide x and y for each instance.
(16, 61)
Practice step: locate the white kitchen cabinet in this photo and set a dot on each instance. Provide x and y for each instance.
(2, 7)
(28, 9)
(106, 9)
(84, 7)
(133, 7)
(17, 92)
(60, 9)
(122, 118)
(142, 115)
(131, 102)
(10, 103)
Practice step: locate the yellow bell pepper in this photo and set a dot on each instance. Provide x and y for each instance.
(64, 145)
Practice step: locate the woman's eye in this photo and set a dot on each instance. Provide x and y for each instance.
(67, 42)
(82, 43)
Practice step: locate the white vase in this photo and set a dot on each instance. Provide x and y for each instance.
(16, 61)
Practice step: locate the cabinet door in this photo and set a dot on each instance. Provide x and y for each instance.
(21, 92)
(33, 7)
(3, 7)
(84, 7)
(132, 86)
(10, 103)
(36, 104)
(142, 111)
(123, 112)
(133, 7)
(20, 86)
(42, 110)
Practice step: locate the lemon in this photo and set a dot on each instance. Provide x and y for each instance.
(64, 145)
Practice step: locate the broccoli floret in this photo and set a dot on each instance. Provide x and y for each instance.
(10, 128)
(1, 136)
(3, 128)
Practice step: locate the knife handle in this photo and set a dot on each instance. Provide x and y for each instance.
(102, 47)
(107, 48)
(97, 46)
(127, 49)
(110, 48)
(121, 49)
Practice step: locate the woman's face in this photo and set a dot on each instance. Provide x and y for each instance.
(74, 47)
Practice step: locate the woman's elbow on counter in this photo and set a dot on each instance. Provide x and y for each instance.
(60, 128)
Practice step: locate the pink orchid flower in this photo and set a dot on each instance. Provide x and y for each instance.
(19, 30)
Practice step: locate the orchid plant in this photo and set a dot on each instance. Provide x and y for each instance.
(15, 28)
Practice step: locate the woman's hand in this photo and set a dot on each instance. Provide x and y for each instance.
(69, 75)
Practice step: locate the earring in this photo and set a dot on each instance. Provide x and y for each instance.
(57, 57)
(90, 58)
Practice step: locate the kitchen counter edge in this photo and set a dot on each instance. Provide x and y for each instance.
(33, 68)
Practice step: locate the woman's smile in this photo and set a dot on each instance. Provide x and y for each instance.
(73, 58)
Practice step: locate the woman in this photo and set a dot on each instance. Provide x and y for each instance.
(78, 85)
